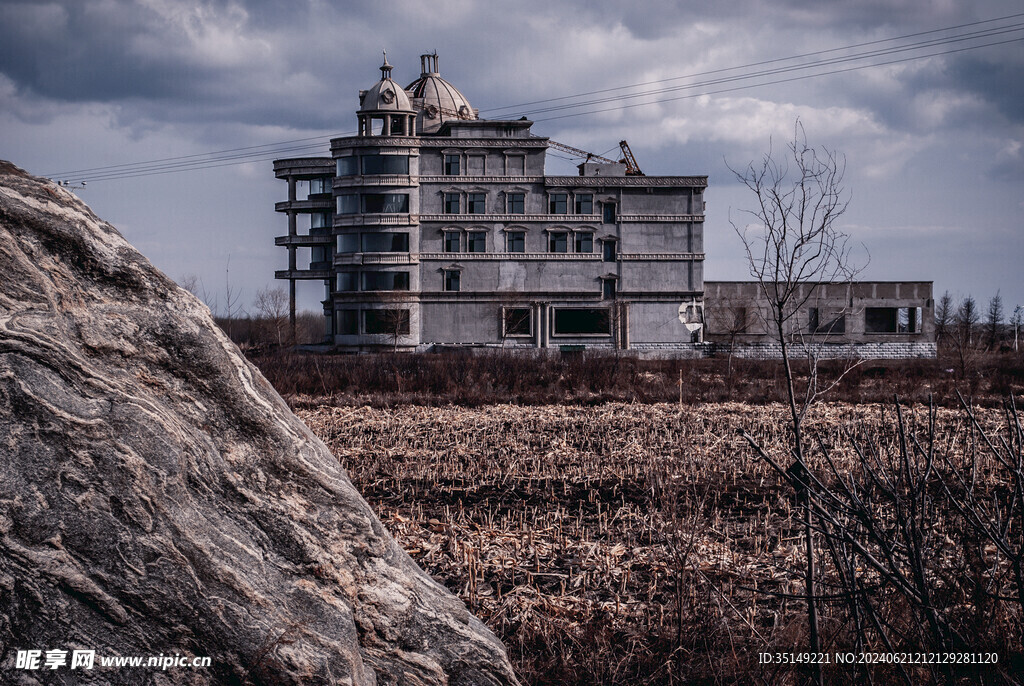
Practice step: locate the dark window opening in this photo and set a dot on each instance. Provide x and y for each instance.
(559, 203)
(348, 281)
(452, 280)
(585, 203)
(476, 203)
(608, 213)
(346, 322)
(608, 289)
(451, 241)
(392, 322)
(515, 203)
(515, 241)
(476, 241)
(385, 281)
(819, 322)
(451, 203)
(385, 242)
(892, 320)
(451, 165)
(347, 166)
(385, 164)
(582, 321)
(585, 242)
(386, 203)
(609, 251)
(558, 242)
(348, 204)
(518, 321)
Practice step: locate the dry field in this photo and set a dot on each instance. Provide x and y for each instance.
(625, 543)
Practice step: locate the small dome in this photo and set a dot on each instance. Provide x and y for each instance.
(385, 95)
(440, 100)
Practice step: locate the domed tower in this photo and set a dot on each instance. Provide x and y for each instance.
(386, 105)
(436, 99)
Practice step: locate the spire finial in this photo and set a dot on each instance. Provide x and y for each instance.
(385, 69)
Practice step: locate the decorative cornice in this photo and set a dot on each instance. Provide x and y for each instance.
(376, 219)
(304, 205)
(680, 218)
(513, 218)
(514, 256)
(661, 257)
(614, 181)
(397, 180)
(465, 178)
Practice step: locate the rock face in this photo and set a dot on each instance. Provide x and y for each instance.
(158, 497)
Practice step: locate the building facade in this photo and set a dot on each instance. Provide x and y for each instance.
(868, 319)
(434, 228)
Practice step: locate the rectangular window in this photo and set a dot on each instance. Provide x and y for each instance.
(385, 242)
(451, 203)
(385, 164)
(516, 165)
(475, 165)
(585, 203)
(452, 280)
(348, 204)
(559, 203)
(608, 289)
(385, 203)
(391, 322)
(346, 322)
(608, 213)
(892, 320)
(477, 202)
(451, 241)
(569, 321)
(385, 281)
(585, 242)
(348, 242)
(609, 251)
(515, 241)
(558, 242)
(518, 321)
(347, 282)
(347, 166)
(321, 220)
(452, 166)
(476, 241)
(320, 185)
(515, 203)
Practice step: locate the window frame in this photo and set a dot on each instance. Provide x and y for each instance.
(528, 320)
(476, 203)
(449, 278)
(447, 237)
(578, 200)
(452, 161)
(555, 235)
(514, 198)
(449, 198)
(510, 237)
(558, 200)
(472, 239)
(578, 235)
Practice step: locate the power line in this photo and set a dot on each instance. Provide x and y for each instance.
(269, 151)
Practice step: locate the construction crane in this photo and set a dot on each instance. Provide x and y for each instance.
(632, 169)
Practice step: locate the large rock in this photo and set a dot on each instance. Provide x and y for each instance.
(158, 497)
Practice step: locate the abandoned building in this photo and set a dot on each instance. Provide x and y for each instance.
(874, 319)
(433, 228)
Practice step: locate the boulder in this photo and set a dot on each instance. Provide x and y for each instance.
(157, 496)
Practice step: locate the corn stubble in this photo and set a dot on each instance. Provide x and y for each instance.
(629, 543)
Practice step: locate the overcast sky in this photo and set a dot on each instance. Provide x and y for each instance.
(935, 162)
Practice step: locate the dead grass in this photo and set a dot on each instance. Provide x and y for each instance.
(619, 543)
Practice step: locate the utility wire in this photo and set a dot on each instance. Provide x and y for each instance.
(269, 151)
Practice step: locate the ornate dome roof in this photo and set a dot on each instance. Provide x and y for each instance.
(385, 95)
(441, 101)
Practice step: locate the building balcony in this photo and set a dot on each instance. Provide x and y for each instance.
(591, 219)
(309, 239)
(303, 167)
(376, 219)
(398, 180)
(318, 203)
(305, 274)
(375, 258)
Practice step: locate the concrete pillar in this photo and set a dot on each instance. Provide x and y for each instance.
(292, 223)
(537, 341)
(291, 308)
(291, 189)
(385, 129)
(546, 324)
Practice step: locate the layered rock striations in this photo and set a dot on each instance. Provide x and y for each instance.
(158, 497)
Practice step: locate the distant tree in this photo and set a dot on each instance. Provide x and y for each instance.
(1015, 321)
(994, 321)
(944, 315)
(271, 304)
(965, 326)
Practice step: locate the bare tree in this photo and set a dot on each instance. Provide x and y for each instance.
(1015, 321)
(271, 304)
(965, 325)
(793, 244)
(944, 315)
(994, 320)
